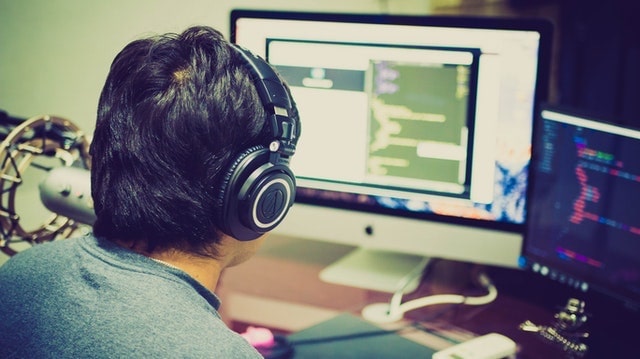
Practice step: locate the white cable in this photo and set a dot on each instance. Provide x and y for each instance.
(451, 298)
(395, 310)
(396, 300)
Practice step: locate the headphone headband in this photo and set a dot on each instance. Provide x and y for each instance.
(258, 187)
(276, 101)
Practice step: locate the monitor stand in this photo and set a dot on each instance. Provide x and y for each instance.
(376, 270)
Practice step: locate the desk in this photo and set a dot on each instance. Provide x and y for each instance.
(280, 289)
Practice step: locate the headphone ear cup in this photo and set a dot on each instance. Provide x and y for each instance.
(255, 194)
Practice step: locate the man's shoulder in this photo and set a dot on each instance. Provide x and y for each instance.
(52, 249)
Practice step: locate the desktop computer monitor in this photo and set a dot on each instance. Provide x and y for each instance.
(416, 131)
(583, 223)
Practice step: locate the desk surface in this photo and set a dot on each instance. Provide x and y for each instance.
(280, 289)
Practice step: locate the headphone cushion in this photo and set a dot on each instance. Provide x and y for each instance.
(255, 194)
(223, 190)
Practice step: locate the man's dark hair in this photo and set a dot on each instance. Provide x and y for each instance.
(173, 112)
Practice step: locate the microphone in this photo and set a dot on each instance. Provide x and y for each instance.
(67, 192)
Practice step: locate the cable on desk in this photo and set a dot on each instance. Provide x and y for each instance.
(396, 300)
(395, 310)
(491, 295)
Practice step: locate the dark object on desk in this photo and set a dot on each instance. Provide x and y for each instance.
(347, 336)
(565, 332)
(281, 349)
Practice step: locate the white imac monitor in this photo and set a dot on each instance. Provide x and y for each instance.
(416, 130)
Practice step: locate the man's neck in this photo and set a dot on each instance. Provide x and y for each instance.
(205, 270)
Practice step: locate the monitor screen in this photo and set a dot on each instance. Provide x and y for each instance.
(583, 223)
(416, 130)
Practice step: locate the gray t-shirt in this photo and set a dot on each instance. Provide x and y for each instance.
(89, 298)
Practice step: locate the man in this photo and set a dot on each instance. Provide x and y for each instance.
(189, 171)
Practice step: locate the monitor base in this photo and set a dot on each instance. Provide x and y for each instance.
(376, 270)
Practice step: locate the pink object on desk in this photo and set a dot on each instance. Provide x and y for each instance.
(259, 337)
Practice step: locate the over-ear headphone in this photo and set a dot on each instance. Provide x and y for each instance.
(258, 188)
